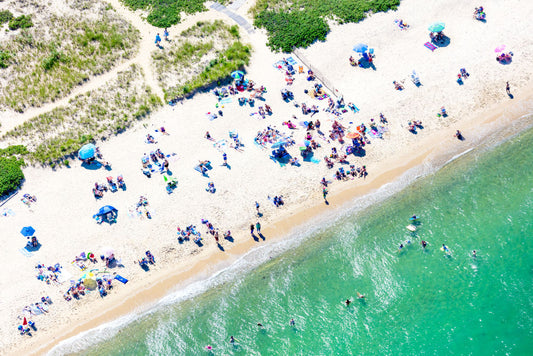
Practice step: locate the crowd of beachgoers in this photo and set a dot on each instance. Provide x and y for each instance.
(172, 202)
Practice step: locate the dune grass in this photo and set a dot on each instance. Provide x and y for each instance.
(203, 54)
(45, 62)
(54, 136)
(165, 13)
(298, 23)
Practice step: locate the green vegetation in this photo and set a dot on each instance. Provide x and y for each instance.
(165, 13)
(44, 63)
(203, 54)
(107, 111)
(10, 168)
(23, 21)
(5, 16)
(298, 23)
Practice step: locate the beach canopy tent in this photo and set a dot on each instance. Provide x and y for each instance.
(27, 231)
(360, 48)
(87, 151)
(499, 49)
(436, 27)
(237, 75)
(106, 209)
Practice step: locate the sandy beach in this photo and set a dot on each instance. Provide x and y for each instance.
(63, 213)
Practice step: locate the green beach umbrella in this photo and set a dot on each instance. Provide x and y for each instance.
(436, 27)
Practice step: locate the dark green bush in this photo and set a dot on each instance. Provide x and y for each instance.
(23, 21)
(165, 13)
(52, 59)
(13, 150)
(10, 174)
(5, 16)
(5, 56)
(298, 23)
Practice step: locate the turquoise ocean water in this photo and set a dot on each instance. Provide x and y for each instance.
(417, 301)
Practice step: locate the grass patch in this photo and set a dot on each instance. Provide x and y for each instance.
(23, 21)
(298, 23)
(5, 16)
(203, 54)
(45, 62)
(165, 13)
(54, 136)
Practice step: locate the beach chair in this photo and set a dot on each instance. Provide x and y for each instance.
(300, 70)
(415, 78)
(171, 181)
(430, 45)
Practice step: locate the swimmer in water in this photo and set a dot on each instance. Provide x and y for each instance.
(401, 246)
(360, 296)
(414, 217)
(232, 339)
(445, 248)
(292, 322)
(260, 325)
(348, 301)
(474, 254)
(424, 244)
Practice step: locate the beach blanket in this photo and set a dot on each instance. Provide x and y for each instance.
(431, 46)
(7, 212)
(211, 116)
(291, 61)
(225, 101)
(26, 252)
(121, 279)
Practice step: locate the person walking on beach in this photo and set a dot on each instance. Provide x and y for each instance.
(165, 34)
(324, 192)
(258, 227)
(252, 229)
(257, 208)
(225, 158)
(158, 40)
(508, 88)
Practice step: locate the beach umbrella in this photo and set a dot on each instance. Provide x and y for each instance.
(352, 135)
(237, 74)
(499, 48)
(307, 143)
(27, 231)
(108, 252)
(106, 209)
(87, 151)
(360, 48)
(436, 27)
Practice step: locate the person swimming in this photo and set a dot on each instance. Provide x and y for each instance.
(414, 217)
(400, 247)
(260, 325)
(445, 248)
(360, 296)
(474, 253)
(423, 243)
(292, 322)
(232, 339)
(348, 301)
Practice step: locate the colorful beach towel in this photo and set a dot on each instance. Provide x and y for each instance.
(431, 46)
(26, 252)
(225, 101)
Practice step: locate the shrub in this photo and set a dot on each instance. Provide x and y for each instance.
(13, 150)
(165, 13)
(5, 56)
(23, 21)
(5, 16)
(10, 174)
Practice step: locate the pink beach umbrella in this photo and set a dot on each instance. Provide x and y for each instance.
(499, 48)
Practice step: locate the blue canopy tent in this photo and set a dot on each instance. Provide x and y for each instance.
(87, 151)
(106, 210)
(27, 231)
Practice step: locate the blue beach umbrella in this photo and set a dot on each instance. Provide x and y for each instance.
(106, 209)
(27, 231)
(436, 27)
(87, 151)
(237, 74)
(360, 48)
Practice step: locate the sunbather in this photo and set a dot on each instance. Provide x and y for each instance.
(397, 85)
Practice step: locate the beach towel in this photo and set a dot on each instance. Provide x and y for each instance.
(211, 116)
(121, 279)
(26, 252)
(431, 46)
(7, 212)
(291, 61)
(225, 101)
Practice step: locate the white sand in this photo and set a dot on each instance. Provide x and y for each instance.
(63, 213)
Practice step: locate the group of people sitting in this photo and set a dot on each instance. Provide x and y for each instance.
(99, 190)
(149, 259)
(287, 95)
(504, 57)
(309, 110)
(337, 131)
(187, 232)
(28, 199)
(438, 37)
(266, 111)
(397, 85)
(33, 242)
(277, 200)
(413, 125)
(479, 13)
(48, 274)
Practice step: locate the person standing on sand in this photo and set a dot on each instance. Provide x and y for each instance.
(257, 208)
(157, 40)
(508, 88)
(258, 227)
(225, 158)
(324, 192)
(252, 229)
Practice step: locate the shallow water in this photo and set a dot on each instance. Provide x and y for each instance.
(417, 301)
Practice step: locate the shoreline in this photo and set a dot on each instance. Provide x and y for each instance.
(150, 293)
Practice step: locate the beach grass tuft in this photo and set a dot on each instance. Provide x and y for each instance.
(165, 13)
(203, 54)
